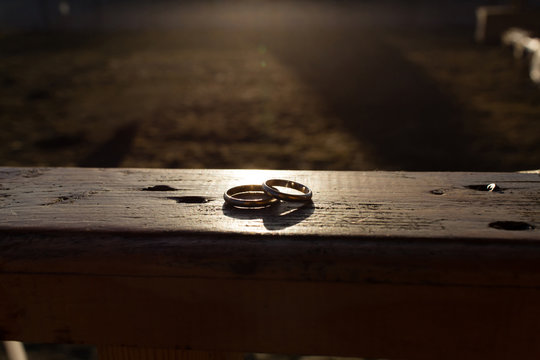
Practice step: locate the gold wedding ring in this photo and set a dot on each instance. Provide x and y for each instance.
(248, 196)
(269, 188)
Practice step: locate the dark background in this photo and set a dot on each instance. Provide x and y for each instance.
(261, 84)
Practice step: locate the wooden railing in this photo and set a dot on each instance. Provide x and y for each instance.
(153, 264)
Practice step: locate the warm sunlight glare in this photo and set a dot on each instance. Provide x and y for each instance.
(255, 177)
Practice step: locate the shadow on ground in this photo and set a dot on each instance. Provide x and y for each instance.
(114, 150)
(388, 103)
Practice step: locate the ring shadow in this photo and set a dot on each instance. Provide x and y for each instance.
(275, 217)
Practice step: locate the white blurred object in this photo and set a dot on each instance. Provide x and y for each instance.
(525, 46)
(15, 350)
(513, 35)
(518, 39)
(534, 72)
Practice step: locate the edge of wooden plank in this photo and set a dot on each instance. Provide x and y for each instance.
(365, 260)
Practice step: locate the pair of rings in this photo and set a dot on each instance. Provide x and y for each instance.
(266, 194)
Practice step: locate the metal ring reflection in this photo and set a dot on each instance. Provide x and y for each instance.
(269, 187)
(254, 196)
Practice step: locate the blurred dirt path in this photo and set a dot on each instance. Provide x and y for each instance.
(311, 85)
(390, 105)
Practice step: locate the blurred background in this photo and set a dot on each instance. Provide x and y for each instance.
(276, 84)
(273, 84)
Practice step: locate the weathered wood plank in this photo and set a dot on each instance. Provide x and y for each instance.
(371, 320)
(382, 264)
(345, 203)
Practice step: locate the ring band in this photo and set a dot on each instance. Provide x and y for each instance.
(262, 198)
(268, 186)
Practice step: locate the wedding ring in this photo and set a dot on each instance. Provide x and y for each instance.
(268, 186)
(248, 196)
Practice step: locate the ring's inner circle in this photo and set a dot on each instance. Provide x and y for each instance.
(288, 187)
(251, 195)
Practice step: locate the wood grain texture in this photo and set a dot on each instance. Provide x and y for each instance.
(345, 203)
(393, 265)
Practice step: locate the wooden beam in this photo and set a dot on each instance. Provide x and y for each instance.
(348, 204)
(381, 264)
(146, 353)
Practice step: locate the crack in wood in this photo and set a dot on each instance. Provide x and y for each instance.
(511, 225)
(189, 199)
(492, 187)
(71, 198)
(159, 188)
